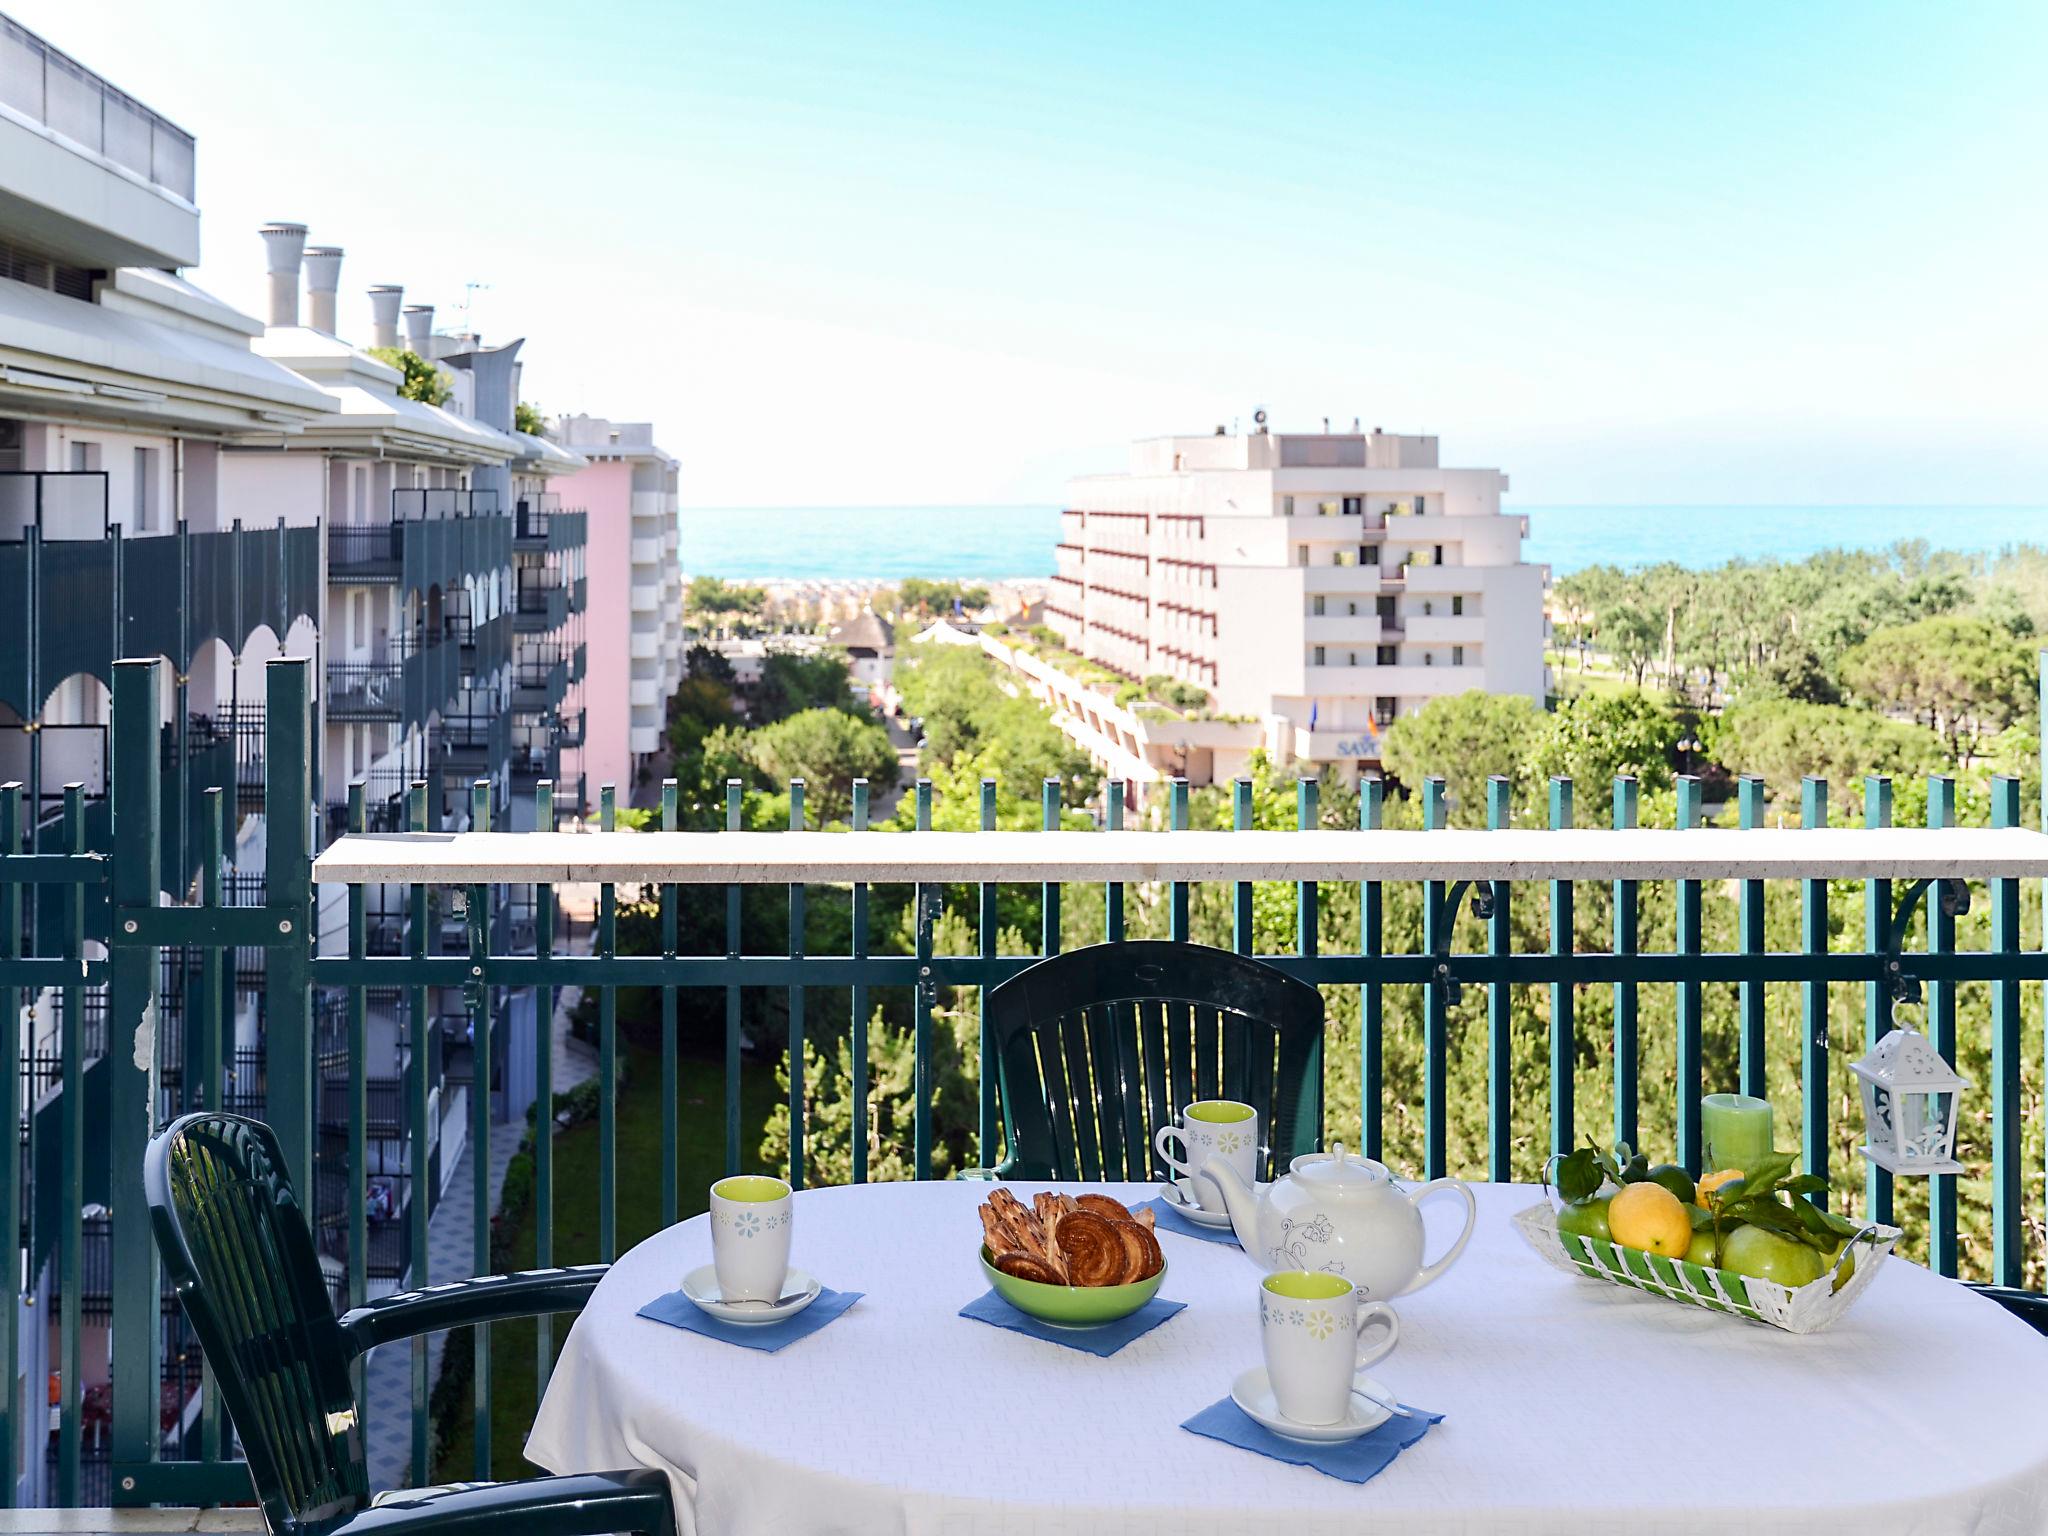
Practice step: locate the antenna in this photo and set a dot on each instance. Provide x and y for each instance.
(469, 293)
(1326, 426)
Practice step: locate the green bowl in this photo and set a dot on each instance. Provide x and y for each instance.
(1071, 1306)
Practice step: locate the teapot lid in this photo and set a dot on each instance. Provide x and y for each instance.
(1337, 1168)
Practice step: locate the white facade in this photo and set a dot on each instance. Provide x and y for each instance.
(1315, 586)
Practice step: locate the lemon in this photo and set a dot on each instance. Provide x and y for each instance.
(1713, 1181)
(1650, 1217)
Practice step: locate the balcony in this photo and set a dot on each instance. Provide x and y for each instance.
(533, 518)
(87, 172)
(538, 683)
(540, 604)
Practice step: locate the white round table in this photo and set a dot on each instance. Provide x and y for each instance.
(1570, 1406)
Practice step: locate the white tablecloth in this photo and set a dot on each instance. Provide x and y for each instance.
(1570, 1406)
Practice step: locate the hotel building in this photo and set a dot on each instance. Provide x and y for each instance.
(1314, 587)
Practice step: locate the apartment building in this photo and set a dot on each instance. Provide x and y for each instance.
(1295, 592)
(634, 623)
(178, 479)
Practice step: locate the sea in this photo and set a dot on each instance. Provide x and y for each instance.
(993, 542)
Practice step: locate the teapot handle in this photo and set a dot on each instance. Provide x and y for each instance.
(1430, 1272)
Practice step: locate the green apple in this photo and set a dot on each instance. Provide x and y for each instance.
(1586, 1218)
(1763, 1255)
(1675, 1179)
(1702, 1250)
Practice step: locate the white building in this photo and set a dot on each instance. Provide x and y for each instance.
(1313, 586)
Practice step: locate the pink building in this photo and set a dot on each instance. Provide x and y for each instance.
(633, 624)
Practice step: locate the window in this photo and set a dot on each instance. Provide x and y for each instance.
(145, 490)
(1287, 506)
(1354, 506)
(85, 456)
(1385, 609)
(1457, 655)
(1429, 658)
(1420, 506)
(1386, 656)
(1326, 509)
(1428, 608)
(1383, 711)
(1342, 557)
(1301, 554)
(1457, 607)
(1351, 659)
(1316, 606)
(1369, 554)
(1438, 557)
(1352, 609)
(1319, 656)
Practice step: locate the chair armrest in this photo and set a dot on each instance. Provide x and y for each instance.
(588, 1504)
(462, 1302)
(2030, 1307)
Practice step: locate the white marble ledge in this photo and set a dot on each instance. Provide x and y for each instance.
(827, 858)
(125, 1522)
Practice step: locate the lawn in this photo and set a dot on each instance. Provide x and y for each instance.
(514, 1345)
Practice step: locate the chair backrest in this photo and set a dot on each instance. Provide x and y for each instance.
(236, 1245)
(1100, 1047)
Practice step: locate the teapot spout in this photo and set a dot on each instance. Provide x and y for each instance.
(1241, 1201)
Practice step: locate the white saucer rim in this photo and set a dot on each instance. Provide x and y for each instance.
(1170, 1192)
(732, 1312)
(1308, 1434)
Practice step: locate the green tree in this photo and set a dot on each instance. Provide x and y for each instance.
(1595, 737)
(528, 419)
(1785, 740)
(713, 603)
(828, 749)
(928, 598)
(1465, 738)
(1632, 637)
(792, 683)
(1965, 677)
(419, 379)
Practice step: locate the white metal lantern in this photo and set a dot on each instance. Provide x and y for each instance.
(1909, 1104)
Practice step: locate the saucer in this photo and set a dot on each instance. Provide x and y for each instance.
(700, 1285)
(1184, 1204)
(1253, 1392)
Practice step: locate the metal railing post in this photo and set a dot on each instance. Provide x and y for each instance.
(287, 854)
(132, 1060)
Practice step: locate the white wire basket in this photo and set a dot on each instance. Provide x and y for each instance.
(1808, 1309)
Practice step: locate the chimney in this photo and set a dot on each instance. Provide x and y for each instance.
(323, 277)
(384, 302)
(284, 244)
(419, 327)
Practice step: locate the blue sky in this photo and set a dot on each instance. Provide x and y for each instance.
(864, 253)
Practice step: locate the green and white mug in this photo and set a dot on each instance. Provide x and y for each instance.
(1212, 1128)
(1318, 1335)
(751, 1216)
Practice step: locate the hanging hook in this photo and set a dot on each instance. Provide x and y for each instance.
(1901, 1005)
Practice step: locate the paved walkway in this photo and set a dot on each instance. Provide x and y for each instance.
(451, 1254)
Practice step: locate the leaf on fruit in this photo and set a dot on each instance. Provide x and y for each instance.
(1702, 1218)
(1806, 1184)
(1579, 1175)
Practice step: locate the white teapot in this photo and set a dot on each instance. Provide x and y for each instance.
(1340, 1213)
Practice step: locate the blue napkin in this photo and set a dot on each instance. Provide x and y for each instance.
(1171, 1220)
(1355, 1461)
(678, 1311)
(1106, 1339)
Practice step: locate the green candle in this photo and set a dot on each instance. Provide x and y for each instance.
(1736, 1129)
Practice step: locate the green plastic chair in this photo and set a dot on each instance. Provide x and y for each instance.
(238, 1250)
(1099, 1047)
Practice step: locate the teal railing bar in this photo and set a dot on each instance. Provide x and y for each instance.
(1436, 1003)
(1689, 995)
(735, 803)
(1177, 916)
(1813, 1017)
(1941, 1031)
(544, 1093)
(135, 1438)
(985, 934)
(671, 1086)
(421, 818)
(71, 1165)
(12, 824)
(1877, 1008)
(1241, 891)
(358, 1106)
(1749, 923)
(1371, 941)
(207, 1087)
(1307, 808)
(1049, 803)
(859, 1022)
(2007, 1181)
(477, 921)
(1113, 891)
(1500, 1044)
(607, 1051)
(1627, 937)
(924, 899)
(796, 1004)
(1564, 1046)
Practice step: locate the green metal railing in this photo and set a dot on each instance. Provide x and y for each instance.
(429, 980)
